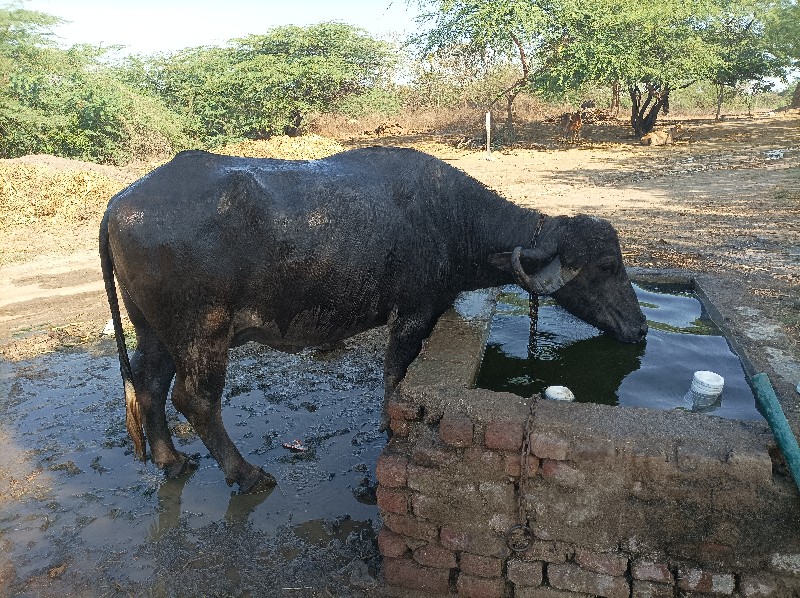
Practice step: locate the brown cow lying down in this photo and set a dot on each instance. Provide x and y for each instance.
(666, 137)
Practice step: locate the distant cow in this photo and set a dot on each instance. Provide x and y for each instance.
(664, 137)
(572, 122)
(213, 251)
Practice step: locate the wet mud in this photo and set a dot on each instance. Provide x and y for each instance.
(80, 517)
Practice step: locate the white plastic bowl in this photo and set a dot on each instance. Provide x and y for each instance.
(558, 393)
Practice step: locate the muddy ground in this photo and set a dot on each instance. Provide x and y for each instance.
(79, 517)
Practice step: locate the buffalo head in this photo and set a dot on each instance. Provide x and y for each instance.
(578, 262)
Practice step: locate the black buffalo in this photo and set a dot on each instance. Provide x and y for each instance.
(212, 251)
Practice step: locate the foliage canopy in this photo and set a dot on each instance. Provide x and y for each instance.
(75, 103)
(650, 49)
(261, 85)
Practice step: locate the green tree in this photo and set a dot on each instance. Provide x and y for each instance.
(648, 49)
(757, 44)
(25, 40)
(488, 34)
(651, 49)
(260, 85)
(69, 103)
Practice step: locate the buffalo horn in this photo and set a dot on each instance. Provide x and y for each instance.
(547, 280)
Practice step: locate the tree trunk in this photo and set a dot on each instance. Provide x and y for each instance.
(510, 117)
(720, 93)
(614, 107)
(645, 109)
(796, 97)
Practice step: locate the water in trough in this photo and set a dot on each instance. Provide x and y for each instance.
(598, 369)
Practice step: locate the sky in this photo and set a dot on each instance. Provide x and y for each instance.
(150, 26)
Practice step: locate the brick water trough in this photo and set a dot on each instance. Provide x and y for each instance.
(616, 502)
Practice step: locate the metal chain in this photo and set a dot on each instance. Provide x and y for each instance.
(533, 314)
(519, 537)
(533, 298)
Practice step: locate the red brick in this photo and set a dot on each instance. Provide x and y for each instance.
(543, 592)
(562, 473)
(392, 471)
(403, 410)
(433, 457)
(512, 462)
(412, 527)
(393, 500)
(602, 562)
(759, 586)
(699, 580)
(480, 587)
(406, 573)
(551, 552)
(427, 480)
(456, 430)
(425, 506)
(650, 571)
(434, 555)
(391, 544)
(455, 539)
(480, 566)
(573, 578)
(524, 573)
(478, 457)
(648, 589)
(400, 427)
(504, 436)
(549, 446)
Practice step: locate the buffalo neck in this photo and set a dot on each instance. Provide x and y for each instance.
(498, 226)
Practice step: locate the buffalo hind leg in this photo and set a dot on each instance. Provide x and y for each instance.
(153, 370)
(197, 394)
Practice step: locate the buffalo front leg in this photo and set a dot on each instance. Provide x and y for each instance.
(197, 394)
(406, 334)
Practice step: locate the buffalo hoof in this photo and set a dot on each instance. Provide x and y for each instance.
(183, 464)
(260, 481)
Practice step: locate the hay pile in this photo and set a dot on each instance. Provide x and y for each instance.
(51, 190)
(307, 147)
(32, 193)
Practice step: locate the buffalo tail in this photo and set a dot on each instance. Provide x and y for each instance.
(133, 412)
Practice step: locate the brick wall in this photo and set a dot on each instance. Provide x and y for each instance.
(621, 502)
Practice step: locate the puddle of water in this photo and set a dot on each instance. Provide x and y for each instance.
(656, 374)
(77, 496)
(775, 154)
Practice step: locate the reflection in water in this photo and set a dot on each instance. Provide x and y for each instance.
(656, 373)
(240, 506)
(593, 367)
(169, 505)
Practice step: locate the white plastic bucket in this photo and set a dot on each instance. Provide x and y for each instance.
(706, 390)
(558, 393)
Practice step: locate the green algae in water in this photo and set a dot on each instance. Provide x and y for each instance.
(655, 373)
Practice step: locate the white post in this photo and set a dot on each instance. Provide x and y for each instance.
(488, 133)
